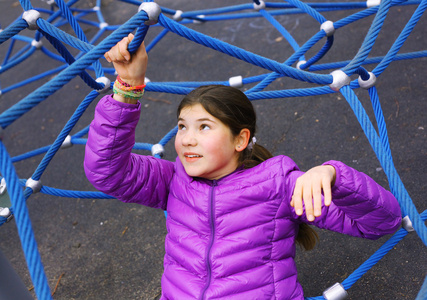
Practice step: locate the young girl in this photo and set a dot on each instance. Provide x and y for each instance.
(234, 211)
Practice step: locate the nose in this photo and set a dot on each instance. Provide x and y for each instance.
(188, 139)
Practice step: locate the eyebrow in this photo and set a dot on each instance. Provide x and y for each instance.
(199, 120)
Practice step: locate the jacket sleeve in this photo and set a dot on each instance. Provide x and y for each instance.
(360, 207)
(112, 168)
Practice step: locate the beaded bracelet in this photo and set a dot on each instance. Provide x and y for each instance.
(124, 89)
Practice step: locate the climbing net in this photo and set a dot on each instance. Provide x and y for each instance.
(47, 24)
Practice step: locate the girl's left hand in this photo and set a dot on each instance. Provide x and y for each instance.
(308, 188)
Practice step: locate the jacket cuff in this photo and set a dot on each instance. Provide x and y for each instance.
(336, 165)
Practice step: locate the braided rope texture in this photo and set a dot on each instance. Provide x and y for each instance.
(78, 56)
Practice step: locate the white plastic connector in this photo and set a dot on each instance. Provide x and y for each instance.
(371, 3)
(178, 15)
(35, 185)
(96, 8)
(199, 21)
(340, 79)
(259, 6)
(153, 11)
(366, 84)
(37, 44)
(147, 80)
(3, 187)
(407, 224)
(300, 63)
(103, 25)
(335, 292)
(328, 27)
(106, 82)
(4, 212)
(236, 81)
(67, 142)
(31, 16)
(157, 149)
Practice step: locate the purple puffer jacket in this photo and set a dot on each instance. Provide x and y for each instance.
(232, 238)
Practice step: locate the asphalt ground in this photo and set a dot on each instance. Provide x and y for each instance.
(105, 249)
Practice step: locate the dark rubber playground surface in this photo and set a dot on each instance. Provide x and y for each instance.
(105, 249)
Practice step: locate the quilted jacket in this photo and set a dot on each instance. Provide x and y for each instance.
(232, 238)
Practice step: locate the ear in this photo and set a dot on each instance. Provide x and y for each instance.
(242, 140)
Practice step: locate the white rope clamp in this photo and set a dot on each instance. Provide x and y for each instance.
(178, 15)
(366, 84)
(67, 142)
(6, 213)
(36, 44)
(407, 224)
(31, 16)
(328, 27)
(236, 81)
(153, 11)
(103, 25)
(157, 149)
(199, 21)
(259, 6)
(35, 185)
(106, 82)
(300, 63)
(3, 187)
(340, 79)
(335, 292)
(372, 3)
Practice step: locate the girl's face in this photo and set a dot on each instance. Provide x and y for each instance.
(205, 145)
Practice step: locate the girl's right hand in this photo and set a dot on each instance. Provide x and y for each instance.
(130, 67)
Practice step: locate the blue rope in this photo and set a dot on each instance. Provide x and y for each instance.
(23, 223)
(90, 61)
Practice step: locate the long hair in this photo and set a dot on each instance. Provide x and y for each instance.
(235, 110)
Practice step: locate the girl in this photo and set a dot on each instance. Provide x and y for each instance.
(234, 211)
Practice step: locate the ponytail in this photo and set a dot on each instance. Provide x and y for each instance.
(254, 156)
(307, 237)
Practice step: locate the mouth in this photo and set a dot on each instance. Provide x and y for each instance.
(190, 157)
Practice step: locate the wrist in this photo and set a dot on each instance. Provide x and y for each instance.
(123, 99)
(333, 173)
(132, 81)
(126, 93)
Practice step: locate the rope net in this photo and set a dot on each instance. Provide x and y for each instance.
(75, 55)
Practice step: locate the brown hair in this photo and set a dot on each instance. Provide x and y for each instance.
(234, 109)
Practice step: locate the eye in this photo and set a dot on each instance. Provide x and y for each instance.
(181, 127)
(205, 127)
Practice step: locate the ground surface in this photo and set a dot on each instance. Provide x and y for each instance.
(109, 250)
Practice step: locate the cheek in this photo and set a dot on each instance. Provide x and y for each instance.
(177, 144)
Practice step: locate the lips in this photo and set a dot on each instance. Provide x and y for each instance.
(190, 157)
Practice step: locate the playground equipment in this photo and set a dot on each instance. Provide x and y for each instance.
(345, 77)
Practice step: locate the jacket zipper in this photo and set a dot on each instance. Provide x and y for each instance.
(211, 215)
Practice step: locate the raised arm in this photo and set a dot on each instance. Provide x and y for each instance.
(109, 164)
